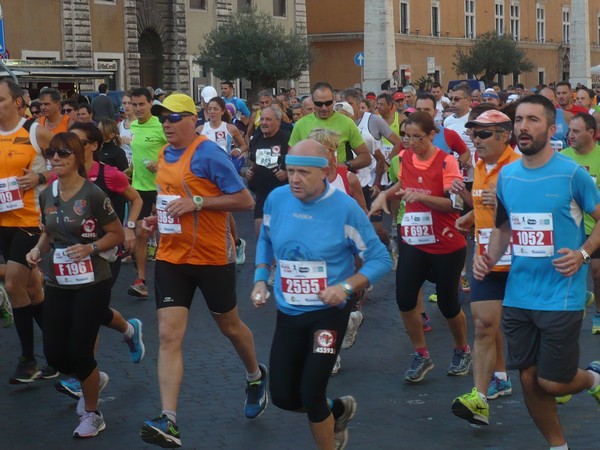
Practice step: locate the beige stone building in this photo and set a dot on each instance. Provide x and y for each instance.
(132, 42)
(427, 34)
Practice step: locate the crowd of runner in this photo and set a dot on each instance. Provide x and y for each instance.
(84, 187)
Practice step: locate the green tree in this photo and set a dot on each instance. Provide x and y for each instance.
(252, 45)
(490, 56)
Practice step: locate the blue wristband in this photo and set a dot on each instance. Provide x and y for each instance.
(261, 274)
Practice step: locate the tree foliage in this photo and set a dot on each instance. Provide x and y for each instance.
(252, 45)
(490, 56)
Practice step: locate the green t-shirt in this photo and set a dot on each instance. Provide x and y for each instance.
(591, 163)
(393, 171)
(349, 132)
(148, 139)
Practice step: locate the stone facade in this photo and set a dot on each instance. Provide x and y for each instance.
(77, 32)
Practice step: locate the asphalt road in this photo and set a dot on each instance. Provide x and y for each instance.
(390, 415)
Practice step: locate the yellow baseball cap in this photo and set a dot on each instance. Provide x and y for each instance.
(176, 103)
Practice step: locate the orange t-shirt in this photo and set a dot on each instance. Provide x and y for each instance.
(62, 127)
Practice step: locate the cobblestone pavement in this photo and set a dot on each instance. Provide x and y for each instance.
(391, 414)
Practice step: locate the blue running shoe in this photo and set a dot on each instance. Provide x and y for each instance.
(161, 431)
(256, 395)
(596, 324)
(135, 343)
(498, 388)
(71, 387)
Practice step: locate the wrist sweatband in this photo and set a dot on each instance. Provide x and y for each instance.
(261, 274)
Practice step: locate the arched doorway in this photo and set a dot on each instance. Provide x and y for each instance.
(151, 59)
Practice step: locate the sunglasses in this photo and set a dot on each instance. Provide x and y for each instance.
(407, 138)
(67, 111)
(34, 111)
(456, 99)
(61, 152)
(173, 117)
(321, 104)
(485, 134)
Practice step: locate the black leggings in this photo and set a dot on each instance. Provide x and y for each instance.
(72, 318)
(415, 266)
(300, 366)
(115, 269)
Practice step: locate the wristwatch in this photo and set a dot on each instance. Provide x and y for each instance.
(130, 225)
(198, 201)
(586, 257)
(42, 178)
(348, 165)
(347, 288)
(95, 249)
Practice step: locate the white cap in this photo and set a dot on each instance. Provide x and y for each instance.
(344, 106)
(207, 93)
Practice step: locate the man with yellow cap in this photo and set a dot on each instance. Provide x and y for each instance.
(197, 185)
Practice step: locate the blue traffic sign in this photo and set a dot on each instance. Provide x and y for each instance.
(359, 59)
(2, 43)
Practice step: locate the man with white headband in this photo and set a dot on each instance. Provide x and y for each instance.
(313, 232)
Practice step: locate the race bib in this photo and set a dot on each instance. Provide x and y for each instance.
(267, 158)
(386, 150)
(10, 195)
(483, 241)
(301, 281)
(532, 234)
(557, 146)
(69, 272)
(166, 223)
(417, 228)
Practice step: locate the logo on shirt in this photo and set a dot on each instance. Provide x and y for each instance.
(108, 207)
(80, 207)
(325, 342)
(88, 228)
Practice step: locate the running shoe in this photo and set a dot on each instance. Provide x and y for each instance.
(161, 431)
(433, 297)
(561, 400)
(340, 430)
(70, 387)
(48, 372)
(589, 300)
(26, 372)
(419, 367)
(271, 280)
(464, 283)
(6, 313)
(135, 343)
(498, 388)
(472, 408)
(596, 324)
(104, 379)
(594, 366)
(240, 252)
(426, 322)
(90, 424)
(256, 395)
(354, 322)
(393, 249)
(461, 362)
(138, 289)
(337, 366)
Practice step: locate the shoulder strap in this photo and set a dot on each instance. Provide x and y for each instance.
(28, 123)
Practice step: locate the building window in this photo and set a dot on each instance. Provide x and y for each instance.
(499, 17)
(198, 4)
(470, 19)
(241, 4)
(404, 17)
(566, 24)
(515, 22)
(541, 75)
(280, 8)
(540, 20)
(435, 18)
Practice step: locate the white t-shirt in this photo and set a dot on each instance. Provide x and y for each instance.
(458, 124)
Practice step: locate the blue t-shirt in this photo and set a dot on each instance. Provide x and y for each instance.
(565, 190)
(331, 228)
(211, 162)
(240, 105)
